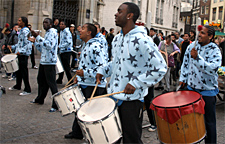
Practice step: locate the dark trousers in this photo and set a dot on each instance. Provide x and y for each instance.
(210, 119)
(65, 59)
(22, 73)
(32, 57)
(73, 61)
(148, 98)
(109, 52)
(87, 93)
(46, 79)
(131, 116)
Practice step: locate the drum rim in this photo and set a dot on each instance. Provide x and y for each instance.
(178, 106)
(93, 122)
(10, 60)
(63, 91)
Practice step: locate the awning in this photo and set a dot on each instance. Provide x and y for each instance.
(217, 33)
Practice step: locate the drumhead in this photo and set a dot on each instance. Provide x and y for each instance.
(64, 90)
(8, 58)
(96, 110)
(176, 99)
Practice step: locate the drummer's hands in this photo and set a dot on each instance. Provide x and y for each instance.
(99, 78)
(18, 53)
(129, 89)
(80, 72)
(75, 80)
(32, 39)
(182, 84)
(34, 33)
(194, 53)
(3, 47)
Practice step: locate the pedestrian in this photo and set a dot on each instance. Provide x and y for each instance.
(48, 47)
(74, 36)
(11, 38)
(154, 36)
(179, 39)
(91, 58)
(192, 35)
(137, 64)
(162, 36)
(65, 47)
(23, 50)
(102, 40)
(199, 72)
(168, 50)
(56, 25)
(32, 58)
(109, 38)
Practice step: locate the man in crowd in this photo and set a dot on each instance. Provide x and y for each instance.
(183, 46)
(23, 50)
(179, 39)
(91, 58)
(48, 47)
(109, 38)
(199, 72)
(137, 64)
(74, 36)
(65, 47)
(154, 36)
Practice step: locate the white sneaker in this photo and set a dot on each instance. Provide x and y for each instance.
(35, 67)
(152, 128)
(12, 78)
(12, 88)
(24, 93)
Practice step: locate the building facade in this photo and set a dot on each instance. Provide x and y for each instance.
(204, 11)
(195, 13)
(186, 15)
(217, 14)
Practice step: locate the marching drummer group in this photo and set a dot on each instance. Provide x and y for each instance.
(136, 65)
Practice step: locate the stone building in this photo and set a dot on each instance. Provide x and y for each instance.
(204, 11)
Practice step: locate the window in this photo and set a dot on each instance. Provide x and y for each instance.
(157, 12)
(221, 0)
(188, 20)
(203, 10)
(139, 5)
(214, 14)
(161, 10)
(220, 12)
(184, 19)
(215, 1)
(206, 9)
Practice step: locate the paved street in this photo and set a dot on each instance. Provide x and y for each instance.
(22, 122)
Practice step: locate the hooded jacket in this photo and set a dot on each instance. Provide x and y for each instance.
(104, 45)
(66, 41)
(24, 46)
(48, 47)
(91, 58)
(137, 61)
(201, 73)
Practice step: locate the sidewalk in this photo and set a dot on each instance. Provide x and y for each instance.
(22, 122)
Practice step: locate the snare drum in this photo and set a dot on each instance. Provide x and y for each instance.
(179, 117)
(10, 63)
(59, 67)
(69, 100)
(99, 121)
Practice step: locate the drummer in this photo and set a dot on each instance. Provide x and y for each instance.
(199, 71)
(137, 64)
(47, 73)
(23, 50)
(90, 59)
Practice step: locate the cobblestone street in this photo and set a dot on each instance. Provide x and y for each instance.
(22, 122)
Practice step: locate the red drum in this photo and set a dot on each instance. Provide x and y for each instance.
(179, 117)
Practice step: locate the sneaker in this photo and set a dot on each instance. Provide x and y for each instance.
(152, 128)
(52, 110)
(12, 78)
(34, 67)
(4, 76)
(33, 102)
(12, 88)
(72, 136)
(24, 93)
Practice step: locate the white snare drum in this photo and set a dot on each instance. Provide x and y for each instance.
(10, 63)
(59, 67)
(99, 121)
(69, 100)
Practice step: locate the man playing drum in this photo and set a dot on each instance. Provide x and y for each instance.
(137, 64)
(199, 71)
(47, 73)
(23, 50)
(90, 59)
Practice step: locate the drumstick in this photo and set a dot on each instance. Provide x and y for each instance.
(67, 86)
(71, 79)
(108, 94)
(93, 92)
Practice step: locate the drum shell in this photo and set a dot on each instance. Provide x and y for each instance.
(190, 127)
(58, 66)
(10, 66)
(69, 100)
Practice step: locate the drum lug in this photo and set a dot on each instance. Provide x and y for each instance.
(103, 129)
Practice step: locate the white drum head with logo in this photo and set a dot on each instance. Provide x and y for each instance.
(96, 110)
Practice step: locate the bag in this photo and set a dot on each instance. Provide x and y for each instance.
(171, 61)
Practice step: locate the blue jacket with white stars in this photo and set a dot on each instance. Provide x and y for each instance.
(24, 46)
(201, 73)
(137, 61)
(104, 45)
(91, 58)
(66, 41)
(48, 47)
